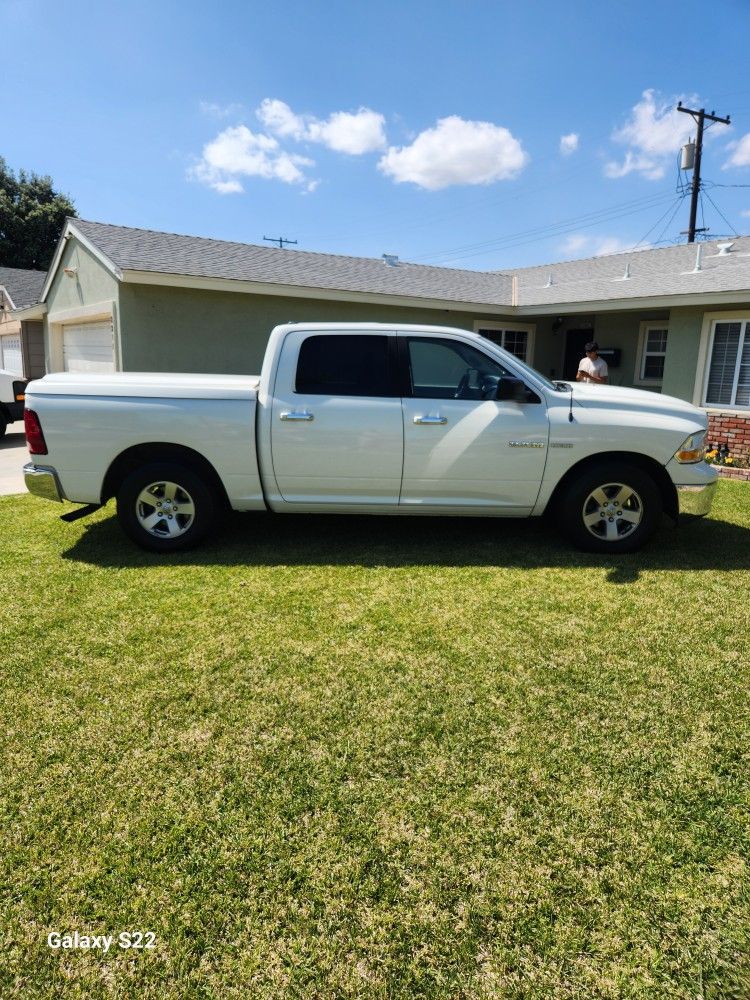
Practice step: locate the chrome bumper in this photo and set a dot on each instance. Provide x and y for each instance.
(42, 481)
(695, 501)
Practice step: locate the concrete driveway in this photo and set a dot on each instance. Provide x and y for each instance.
(13, 457)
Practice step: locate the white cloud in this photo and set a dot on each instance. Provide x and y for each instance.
(569, 143)
(456, 152)
(214, 110)
(237, 152)
(361, 132)
(355, 133)
(278, 117)
(653, 133)
(745, 213)
(575, 243)
(580, 245)
(740, 153)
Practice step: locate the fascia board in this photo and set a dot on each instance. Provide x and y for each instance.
(302, 292)
(623, 305)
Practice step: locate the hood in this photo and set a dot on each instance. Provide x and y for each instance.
(619, 398)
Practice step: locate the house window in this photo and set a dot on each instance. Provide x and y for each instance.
(728, 381)
(652, 352)
(516, 339)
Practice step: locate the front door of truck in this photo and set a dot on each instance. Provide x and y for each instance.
(337, 424)
(462, 449)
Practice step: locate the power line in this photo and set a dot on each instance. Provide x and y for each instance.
(543, 232)
(674, 209)
(721, 213)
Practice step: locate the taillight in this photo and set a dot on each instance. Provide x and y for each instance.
(34, 436)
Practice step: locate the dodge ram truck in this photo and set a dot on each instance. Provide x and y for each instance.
(368, 418)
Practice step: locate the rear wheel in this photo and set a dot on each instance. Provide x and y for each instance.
(165, 507)
(611, 508)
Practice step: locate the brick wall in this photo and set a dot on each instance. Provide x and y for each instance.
(730, 429)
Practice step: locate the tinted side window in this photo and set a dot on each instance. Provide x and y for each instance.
(440, 369)
(344, 366)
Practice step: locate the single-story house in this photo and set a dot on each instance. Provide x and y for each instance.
(673, 320)
(21, 341)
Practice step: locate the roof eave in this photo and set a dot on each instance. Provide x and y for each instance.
(634, 304)
(307, 292)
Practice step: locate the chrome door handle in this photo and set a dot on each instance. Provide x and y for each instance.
(430, 420)
(295, 415)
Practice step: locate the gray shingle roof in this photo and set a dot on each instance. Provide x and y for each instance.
(651, 273)
(169, 253)
(663, 271)
(23, 287)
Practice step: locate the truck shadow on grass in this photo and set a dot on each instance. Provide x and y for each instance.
(393, 542)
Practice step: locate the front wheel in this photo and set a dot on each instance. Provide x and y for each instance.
(165, 507)
(611, 508)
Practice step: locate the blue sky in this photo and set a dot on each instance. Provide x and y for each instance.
(432, 130)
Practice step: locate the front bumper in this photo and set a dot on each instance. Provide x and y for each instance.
(42, 481)
(695, 500)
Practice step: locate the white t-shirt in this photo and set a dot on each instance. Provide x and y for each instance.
(589, 367)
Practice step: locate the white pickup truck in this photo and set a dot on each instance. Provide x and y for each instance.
(12, 390)
(368, 418)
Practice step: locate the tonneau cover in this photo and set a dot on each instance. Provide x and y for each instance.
(147, 384)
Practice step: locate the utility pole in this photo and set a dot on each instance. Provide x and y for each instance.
(699, 117)
(278, 239)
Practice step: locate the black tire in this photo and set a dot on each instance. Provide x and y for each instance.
(612, 507)
(3, 428)
(166, 507)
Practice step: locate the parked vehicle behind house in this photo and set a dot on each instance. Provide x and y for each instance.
(12, 394)
(369, 418)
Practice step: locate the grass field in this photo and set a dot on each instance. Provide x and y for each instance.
(375, 758)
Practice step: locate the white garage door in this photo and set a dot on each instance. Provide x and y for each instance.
(10, 354)
(89, 347)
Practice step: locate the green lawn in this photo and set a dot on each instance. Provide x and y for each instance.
(375, 758)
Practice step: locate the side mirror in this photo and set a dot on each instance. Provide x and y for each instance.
(512, 390)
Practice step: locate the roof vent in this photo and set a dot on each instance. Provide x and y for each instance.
(391, 259)
(698, 254)
(550, 281)
(724, 249)
(626, 276)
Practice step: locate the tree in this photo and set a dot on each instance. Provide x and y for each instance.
(32, 215)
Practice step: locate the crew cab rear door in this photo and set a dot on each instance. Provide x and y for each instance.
(461, 448)
(336, 421)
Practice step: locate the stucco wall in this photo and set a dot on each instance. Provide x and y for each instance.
(182, 329)
(681, 361)
(92, 283)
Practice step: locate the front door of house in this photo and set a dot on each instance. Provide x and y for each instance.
(575, 340)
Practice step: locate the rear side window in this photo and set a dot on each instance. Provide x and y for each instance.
(344, 366)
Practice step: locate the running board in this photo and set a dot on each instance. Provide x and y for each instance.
(76, 515)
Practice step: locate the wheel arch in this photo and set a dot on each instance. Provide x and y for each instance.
(644, 462)
(159, 451)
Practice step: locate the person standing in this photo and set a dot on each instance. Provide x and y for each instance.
(592, 368)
